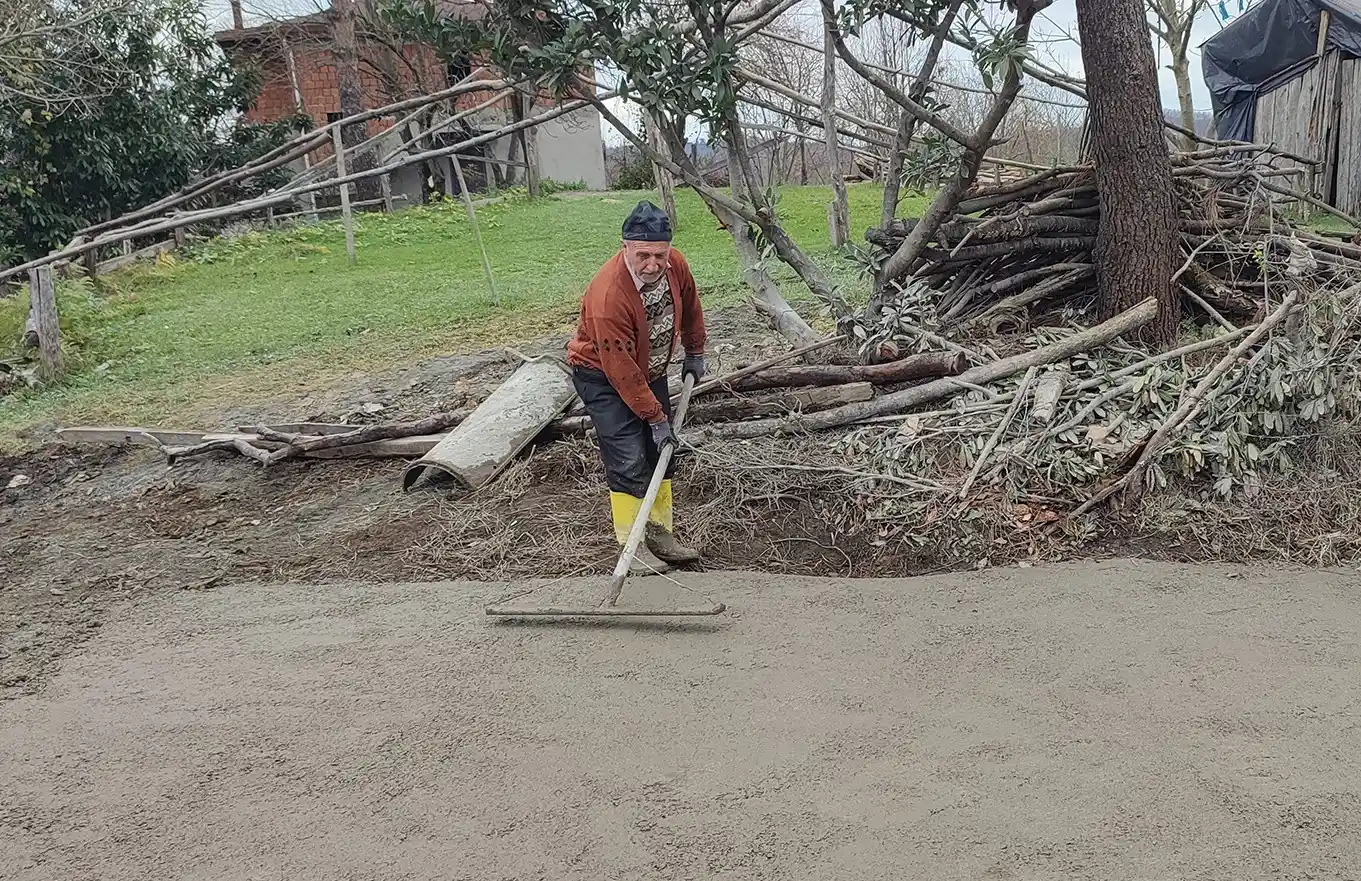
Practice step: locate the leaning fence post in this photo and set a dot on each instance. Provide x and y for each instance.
(346, 215)
(477, 231)
(385, 186)
(43, 308)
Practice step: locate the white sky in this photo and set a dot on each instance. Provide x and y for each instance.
(1051, 38)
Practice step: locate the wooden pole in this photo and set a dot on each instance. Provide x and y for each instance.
(838, 210)
(477, 232)
(385, 186)
(346, 214)
(43, 307)
(531, 150)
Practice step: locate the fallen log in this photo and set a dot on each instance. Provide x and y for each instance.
(239, 445)
(1024, 247)
(928, 365)
(782, 358)
(897, 402)
(301, 445)
(1220, 295)
(809, 400)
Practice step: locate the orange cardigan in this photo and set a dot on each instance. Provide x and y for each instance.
(612, 332)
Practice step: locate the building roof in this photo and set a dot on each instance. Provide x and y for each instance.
(1270, 44)
(317, 25)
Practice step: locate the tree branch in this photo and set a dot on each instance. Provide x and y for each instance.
(930, 117)
(902, 260)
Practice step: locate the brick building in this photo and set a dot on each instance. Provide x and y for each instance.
(297, 64)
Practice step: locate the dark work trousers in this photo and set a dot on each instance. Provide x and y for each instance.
(625, 440)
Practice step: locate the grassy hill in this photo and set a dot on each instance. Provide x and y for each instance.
(267, 314)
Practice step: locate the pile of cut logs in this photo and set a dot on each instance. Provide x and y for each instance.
(1026, 247)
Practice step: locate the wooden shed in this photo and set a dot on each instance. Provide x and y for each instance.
(1288, 73)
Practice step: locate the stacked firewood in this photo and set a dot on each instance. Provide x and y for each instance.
(1023, 248)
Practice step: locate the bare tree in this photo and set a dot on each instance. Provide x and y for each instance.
(1171, 21)
(50, 50)
(776, 54)
(839, 212)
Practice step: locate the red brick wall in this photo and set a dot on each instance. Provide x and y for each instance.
(316, 72)
(317, 81)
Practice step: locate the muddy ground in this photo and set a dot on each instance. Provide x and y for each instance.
(87, 528)
(1119, 720)
(83, 530)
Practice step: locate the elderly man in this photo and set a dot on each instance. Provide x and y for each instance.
(635, 309)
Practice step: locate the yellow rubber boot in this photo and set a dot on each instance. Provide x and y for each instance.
(661, 508)
(625, 508)
(660, 537)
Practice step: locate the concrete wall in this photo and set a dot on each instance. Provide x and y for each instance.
(571, 149)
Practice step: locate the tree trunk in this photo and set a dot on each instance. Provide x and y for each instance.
(787, 249)
(530, 143)
(666, 183)
(1136, 245)
(346, 52)
(927, 365)
(766, 296)
(907, 123)
(1182, 74)
(803, 163)
(839, 212)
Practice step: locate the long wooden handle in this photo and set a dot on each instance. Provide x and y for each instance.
(621, 568)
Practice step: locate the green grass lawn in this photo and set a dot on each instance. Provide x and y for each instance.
(272, 314)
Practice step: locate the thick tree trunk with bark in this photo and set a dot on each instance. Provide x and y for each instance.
(1136, 247)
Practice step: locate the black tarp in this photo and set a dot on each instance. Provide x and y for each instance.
(1270, 44)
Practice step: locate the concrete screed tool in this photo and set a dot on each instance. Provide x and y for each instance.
(609, 605)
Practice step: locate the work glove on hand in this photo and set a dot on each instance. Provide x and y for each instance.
(694, 365)
(662, 434)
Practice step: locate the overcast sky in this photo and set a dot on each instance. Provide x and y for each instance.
(1050, 37)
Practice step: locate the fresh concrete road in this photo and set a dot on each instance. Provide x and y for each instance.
(1113, 720)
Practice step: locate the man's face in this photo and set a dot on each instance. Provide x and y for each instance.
(648, 259)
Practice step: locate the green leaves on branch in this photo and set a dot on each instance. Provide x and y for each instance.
(164, 110)
(1001, 57)
(649, 48)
